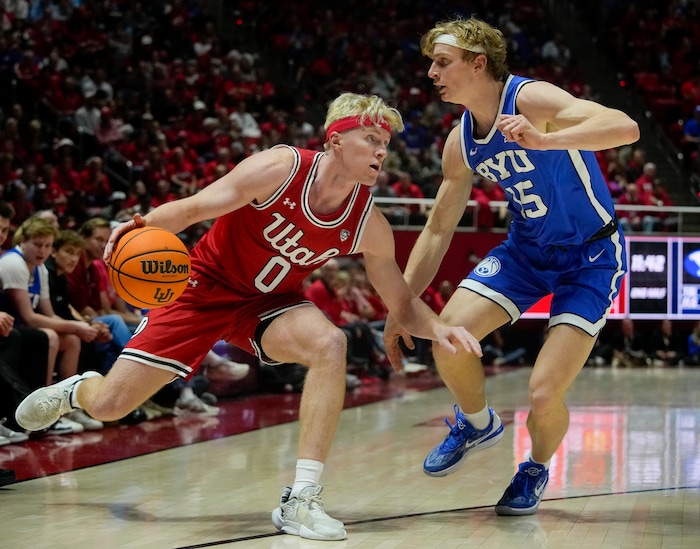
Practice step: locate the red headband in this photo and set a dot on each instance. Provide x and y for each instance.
(350, 122)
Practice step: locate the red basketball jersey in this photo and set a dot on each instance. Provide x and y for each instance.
(275, 245)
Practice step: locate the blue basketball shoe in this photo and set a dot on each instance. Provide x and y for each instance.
(463, 438)
(523, 495)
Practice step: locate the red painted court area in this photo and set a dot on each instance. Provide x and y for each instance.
(60, 453)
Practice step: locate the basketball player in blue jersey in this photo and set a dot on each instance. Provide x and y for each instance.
(535, 140)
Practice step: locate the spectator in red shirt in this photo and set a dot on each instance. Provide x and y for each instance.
(659, 197)
(198, 136)
(65, 99)
(645, 182)
(7, 172)
(323, 292)
(485, 192)
(21, 204)
(181, 173)
(635, 220)
(223, 158)
(162, 193)
(94, 184)
(28, 72)
(65, 175)
(406, 188)
(154, 168)
(136, 149)
(434, 299)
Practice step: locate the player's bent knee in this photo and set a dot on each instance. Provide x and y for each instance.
(329, 349)
(544, 397)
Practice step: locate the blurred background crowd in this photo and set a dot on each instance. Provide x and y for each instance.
(111, 107)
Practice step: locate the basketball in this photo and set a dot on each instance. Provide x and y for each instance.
(149, 267)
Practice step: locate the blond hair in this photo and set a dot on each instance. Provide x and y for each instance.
(68, 237)
(367, 107)
(34, 227)
(475, 35)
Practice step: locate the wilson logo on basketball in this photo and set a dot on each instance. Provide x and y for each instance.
(149, 267)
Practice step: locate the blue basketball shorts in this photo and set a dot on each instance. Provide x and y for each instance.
(583, 279)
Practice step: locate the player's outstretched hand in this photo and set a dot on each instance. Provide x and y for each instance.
(118, 231)
(451, 337)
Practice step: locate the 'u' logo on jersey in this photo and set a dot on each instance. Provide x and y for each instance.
(488, 266)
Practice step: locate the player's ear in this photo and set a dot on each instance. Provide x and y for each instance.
(335, 139)
(480, 62)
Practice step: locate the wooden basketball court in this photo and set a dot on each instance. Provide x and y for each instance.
(627, 474)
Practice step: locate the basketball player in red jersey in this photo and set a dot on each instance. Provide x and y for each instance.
(281, 214)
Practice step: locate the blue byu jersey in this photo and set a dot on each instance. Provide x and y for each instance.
(555, 197)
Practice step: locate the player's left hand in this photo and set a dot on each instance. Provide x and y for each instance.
(451, 337)
(518, 129)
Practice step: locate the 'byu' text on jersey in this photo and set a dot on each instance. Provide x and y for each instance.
(555, 197)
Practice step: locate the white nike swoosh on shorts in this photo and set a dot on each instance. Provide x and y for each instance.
(592, 258)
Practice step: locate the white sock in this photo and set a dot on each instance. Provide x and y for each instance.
(186, 394)
(74, 394)
(481, 419)
(308, 474)
(545, 464)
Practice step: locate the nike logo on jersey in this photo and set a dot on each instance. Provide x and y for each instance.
(473, 151)
(592, 258)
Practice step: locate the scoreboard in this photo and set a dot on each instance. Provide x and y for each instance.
(662, 280)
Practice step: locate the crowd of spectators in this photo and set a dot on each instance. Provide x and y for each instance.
(656, 46)
(115, 107)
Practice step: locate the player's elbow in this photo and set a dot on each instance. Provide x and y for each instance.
(631, 132)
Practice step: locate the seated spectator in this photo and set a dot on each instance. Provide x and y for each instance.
(377, 308)
(113, 331)
(693, 358)
(628, 346)
(666, 346)
(25, 288)
(116, 206)
(250, 130)
(617, 186)
(666, 221)
(496, 351)
(24, 359)
(446, 289)
(396, 214)
(635, 220)
(323, 292)
(90, 291)
(87, 116)
(406, 188)
(94, 184)
(162, 193)
(181, 173)
(691, 141)
(109, 132)
(13, 388)
(645, 182)
(484, 193)
(64, 173)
